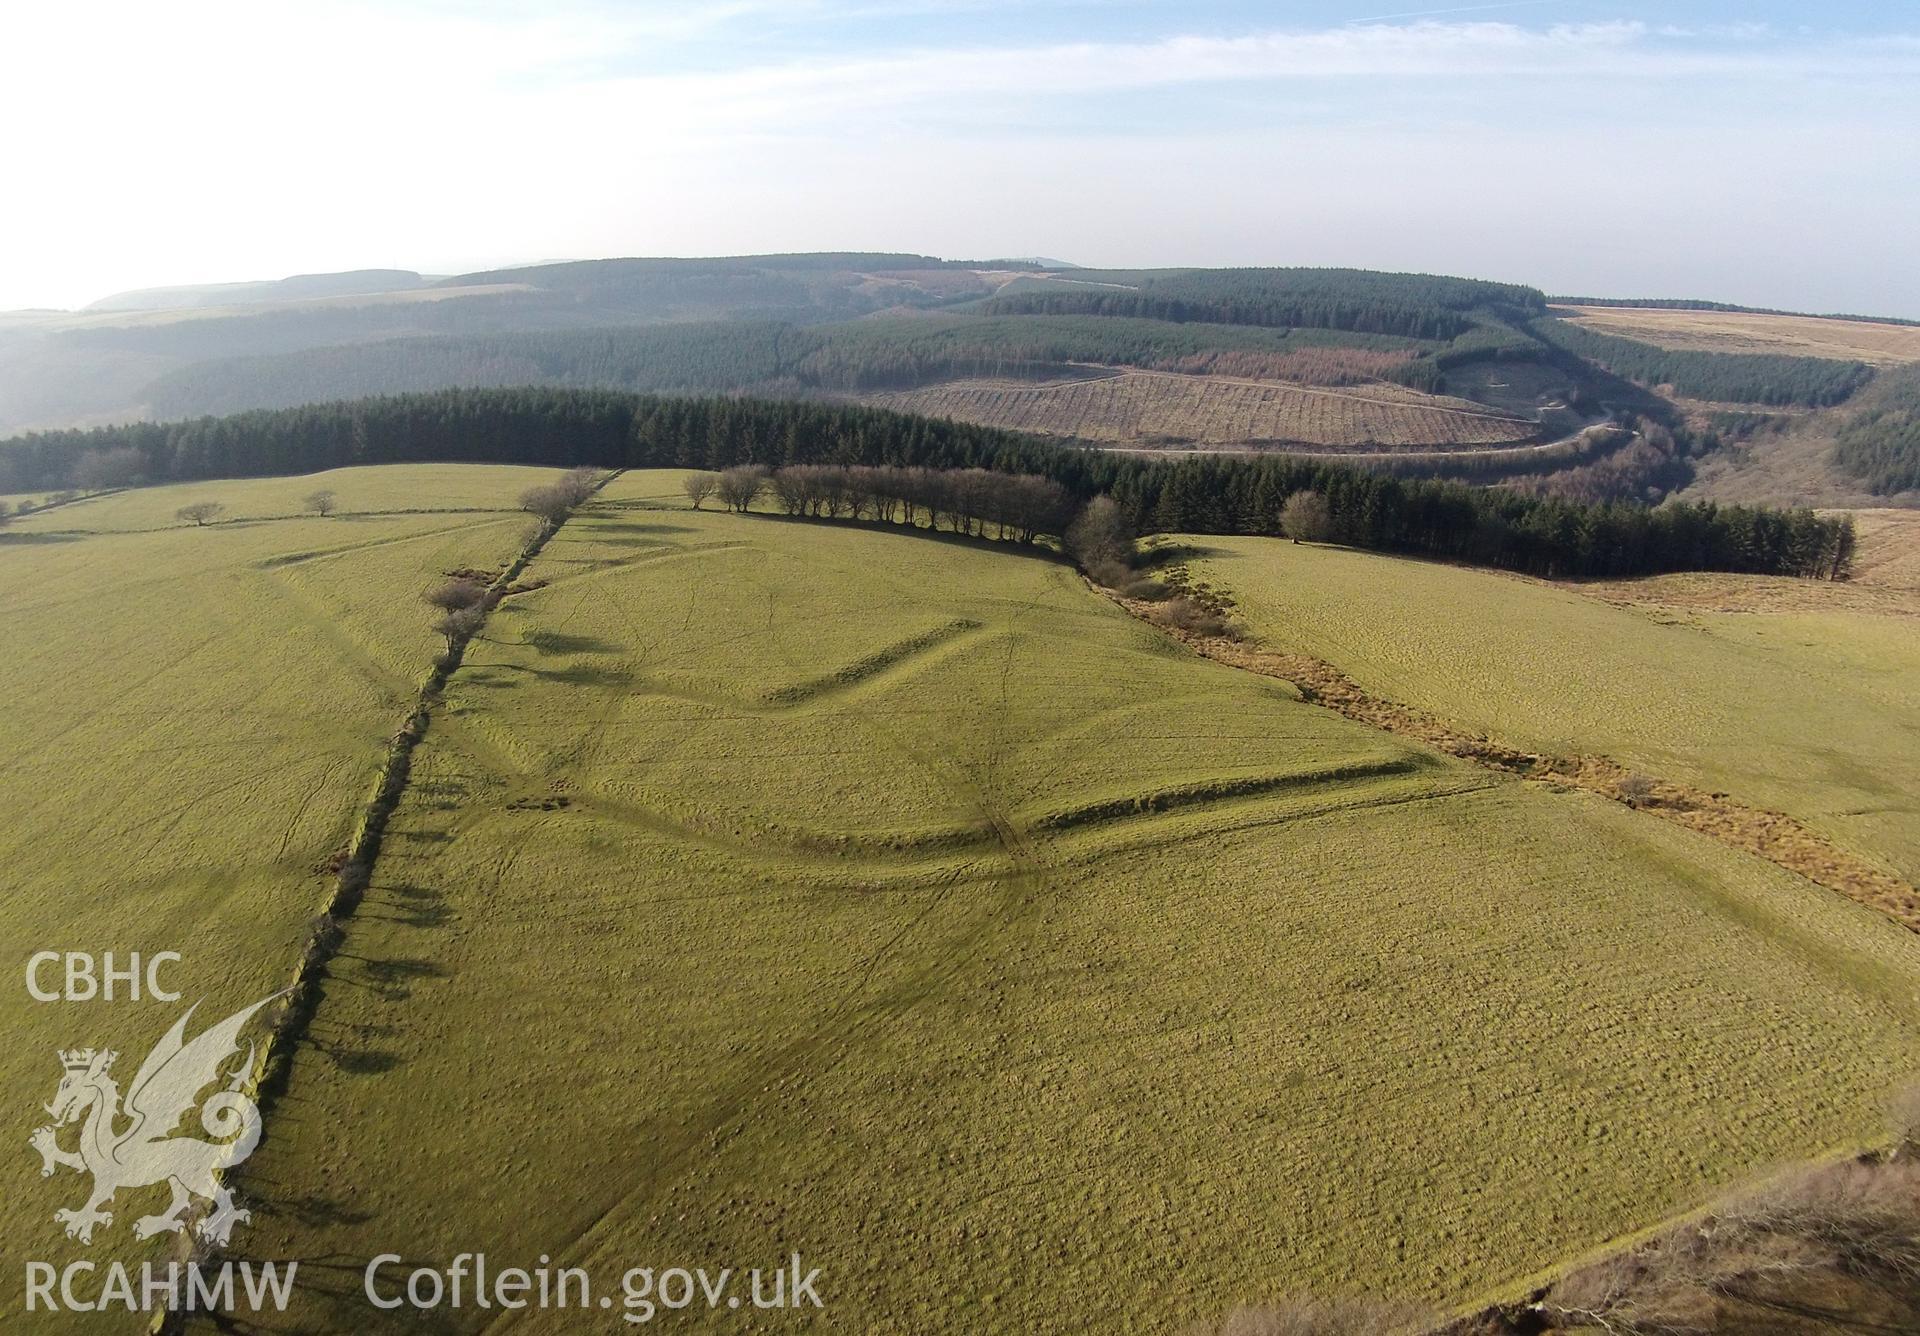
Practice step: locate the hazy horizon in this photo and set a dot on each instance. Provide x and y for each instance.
(1729, 151)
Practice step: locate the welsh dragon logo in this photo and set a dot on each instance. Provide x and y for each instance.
(134, 1146)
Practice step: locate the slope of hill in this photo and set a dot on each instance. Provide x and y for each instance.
(1423, 306)
(194, 718)
(852, 862)
(1875, 342)
(1700, 394)
(879, 352)
(1241, 492)
(59, 367)
(1865, 453)
(1155, 409)
(1808, 710)
(299, 287)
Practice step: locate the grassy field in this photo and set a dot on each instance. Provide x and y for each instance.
(1148, 407)
(194, 720)
(771, 886)
(1889, 556)
(1810, 710)
(1742, 332)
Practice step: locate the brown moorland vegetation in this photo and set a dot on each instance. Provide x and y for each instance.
(1744, 332)
(1145, 407)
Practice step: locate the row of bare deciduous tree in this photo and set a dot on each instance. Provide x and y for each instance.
(553, 501)
(1016, 507)
(464, 601)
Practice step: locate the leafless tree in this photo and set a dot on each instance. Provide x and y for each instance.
(791, 490)
(456, 594)
(1100, 538)
(459, 625)
(1636, 789)
(554, 501)
(200, 512)
(1306, 518)
(978, 502)
(1851, 1224)
(741, 485)
(549, 501)
(321, 502)
(700, 486)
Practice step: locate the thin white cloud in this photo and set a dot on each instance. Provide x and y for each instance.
(1461, 9)
(1619, 53)
(236, 138)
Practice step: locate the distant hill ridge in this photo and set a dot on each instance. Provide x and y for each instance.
(1697, 304)
(1017, 338)
(298, 287)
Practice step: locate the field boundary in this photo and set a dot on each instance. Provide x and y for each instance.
(300, 1001)
(1780, 839)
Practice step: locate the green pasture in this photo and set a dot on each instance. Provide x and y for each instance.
(1816, 714)
(767, 885)
(194, 719)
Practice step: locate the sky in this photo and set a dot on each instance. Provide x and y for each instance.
(1762, 153)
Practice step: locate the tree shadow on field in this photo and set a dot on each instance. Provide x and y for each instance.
(491, 682)
(635, 540)
(407, 905)
(559, 642)
(353, 1048)
(1172, 554)
(439, 795)
(974, 542)
(578, 675)
(393, 979)
(586, 675)
(601, 528)
(332, 1276)
(312, 1209)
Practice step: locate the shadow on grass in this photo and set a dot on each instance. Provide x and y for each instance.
(635, 539)
(578, 675)
(409, 906)
(394, 979)
(558, 642)
(1172, 554)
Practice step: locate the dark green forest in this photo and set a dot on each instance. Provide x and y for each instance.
(827, 326)
(1419, 306)
(766, 356)
(1211, 494)
(1881, 445)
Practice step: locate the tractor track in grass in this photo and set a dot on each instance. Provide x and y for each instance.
(294, 1017)
(878, 988)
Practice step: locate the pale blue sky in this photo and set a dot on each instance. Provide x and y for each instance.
(1758, 152)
